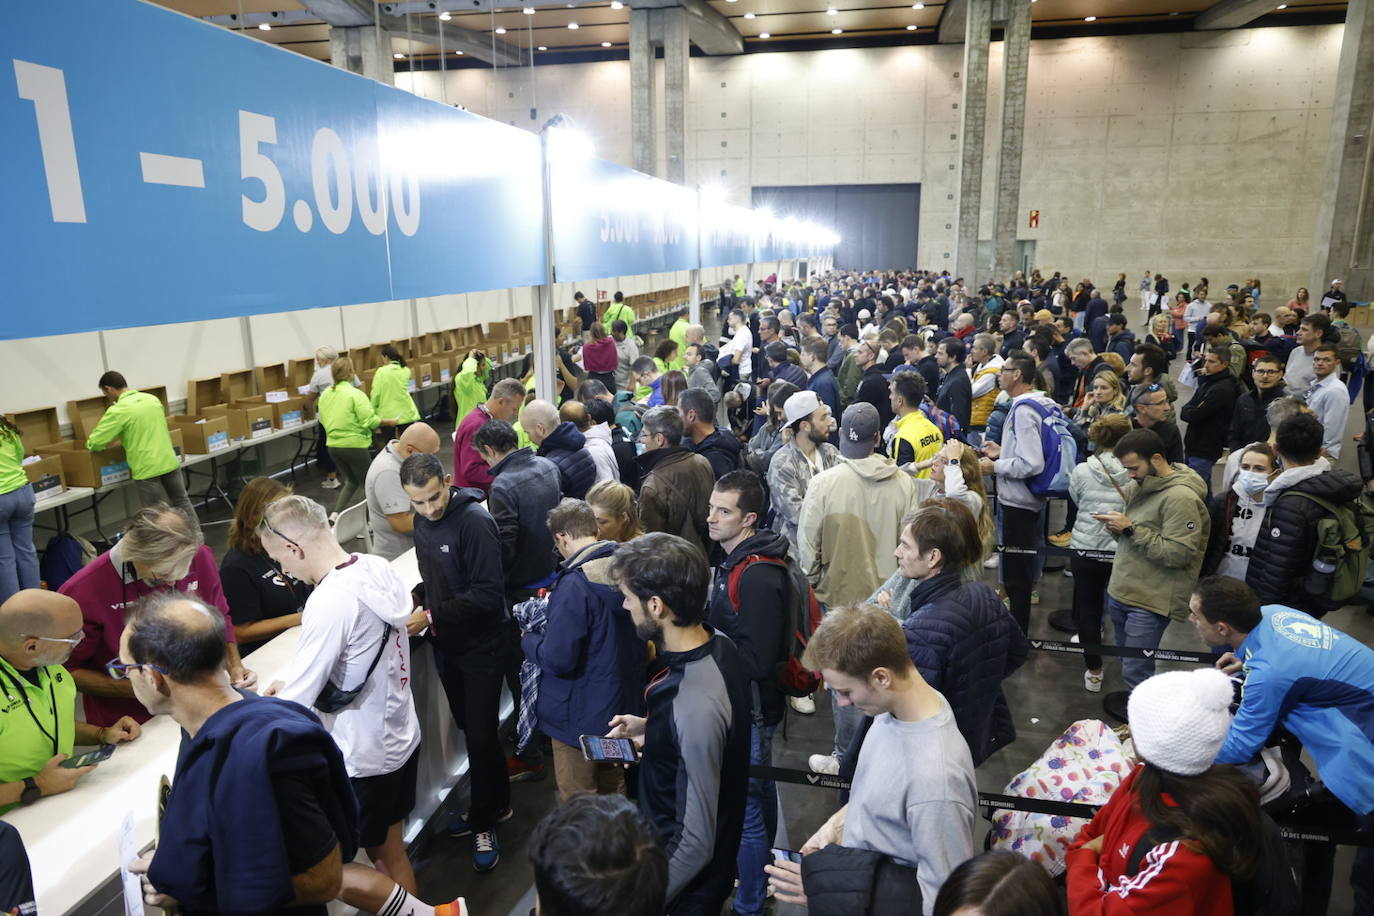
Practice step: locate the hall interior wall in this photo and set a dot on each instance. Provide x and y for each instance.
(1189, 153)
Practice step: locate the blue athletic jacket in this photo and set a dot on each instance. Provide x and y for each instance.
(1319, 684)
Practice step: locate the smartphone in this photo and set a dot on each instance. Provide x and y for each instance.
(89, 758)
(621, 750)
(786, 855)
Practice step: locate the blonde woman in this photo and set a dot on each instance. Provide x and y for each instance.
(617, 515)
(1105, 398)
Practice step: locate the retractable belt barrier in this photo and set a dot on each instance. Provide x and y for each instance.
(995, 802)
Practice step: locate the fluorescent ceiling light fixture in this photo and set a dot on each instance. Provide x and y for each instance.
(605, 44)
(1089, 18)
(573, 25)
(528, 11)
(543, 47)
(500, 30)
(748, 15)
(399, 56)
(457, 52)
(445, 16)
(918, 6)
(911, 28)
(617, 5)
(836, 31)
(265, 26)
(764, 35)
(832, 12)
(1282, 6)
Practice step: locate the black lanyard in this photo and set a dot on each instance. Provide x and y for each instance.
(52, 698)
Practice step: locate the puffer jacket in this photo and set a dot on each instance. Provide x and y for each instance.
(840, 881)
(1091, 489)
(1158, 565)
(524, 488)
(567, 448)
(722, 449)
(677, 486)
(850, 521)
(1283, 551)
(591, 659)
(965, 643)
(1208, 415)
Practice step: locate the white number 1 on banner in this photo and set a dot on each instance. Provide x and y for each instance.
(46, 87)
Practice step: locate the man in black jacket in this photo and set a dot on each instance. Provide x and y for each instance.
(873, 383)
(694, 772)
(1249, 423)
(1282, 556)
(754, 614)
(1208, 413)
(1013, 336)
(955, 394)
(721, 447)
(563, 444)
(458, 551)
(1152, 412)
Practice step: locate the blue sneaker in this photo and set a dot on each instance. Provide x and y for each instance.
(458, 825)
(486, 851)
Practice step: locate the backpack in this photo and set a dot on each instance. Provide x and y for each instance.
(64, 556)
(804, 613)
(1059, 447)
(944, 421)
(1343, 539)
(1348, 345)
(1271, 891)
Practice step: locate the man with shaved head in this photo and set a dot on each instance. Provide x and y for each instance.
(562, 443)
(38, 631)
(386, 499)
(600, 442)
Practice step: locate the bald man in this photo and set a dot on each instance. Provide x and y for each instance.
(386, 499)
(563, 443)
(38, 631)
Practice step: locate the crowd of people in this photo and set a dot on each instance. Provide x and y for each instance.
(684, 549)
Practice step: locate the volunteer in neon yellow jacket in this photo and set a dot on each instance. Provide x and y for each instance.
(139, 422)
(348, 420)
(18, 559)
(391, 394)
(38, 727)
(619, 311)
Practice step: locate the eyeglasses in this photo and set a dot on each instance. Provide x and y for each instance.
(118, 671)
(72, 641)
(1151, 403)
(1267, 371)
(268, 525)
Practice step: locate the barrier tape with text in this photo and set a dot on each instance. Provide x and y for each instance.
(995, 802)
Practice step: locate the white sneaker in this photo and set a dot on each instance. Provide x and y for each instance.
(1092, 682)
(330, 483)
(828, 764)
(804, 705)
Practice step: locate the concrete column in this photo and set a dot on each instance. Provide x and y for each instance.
(694, 296)
(643, 98)
(363, 49)
(1344, 242)
(974, 108)
(1007, 200)
(676, 76)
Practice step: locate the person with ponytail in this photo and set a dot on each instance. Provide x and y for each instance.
(1180, 828)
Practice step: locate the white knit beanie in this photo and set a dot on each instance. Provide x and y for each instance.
(1179, 719)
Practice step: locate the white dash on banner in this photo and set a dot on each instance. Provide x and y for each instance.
(176, 170)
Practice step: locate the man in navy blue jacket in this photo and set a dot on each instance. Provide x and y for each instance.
(591, 661)
(820, 379)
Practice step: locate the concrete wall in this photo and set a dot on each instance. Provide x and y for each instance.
(1194, 154)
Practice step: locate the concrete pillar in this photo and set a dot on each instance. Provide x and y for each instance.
(1007, 200)
(1344, 242)
(676, 76)
(643, 98)
(974, 108)
(694, 296)
(363, 49)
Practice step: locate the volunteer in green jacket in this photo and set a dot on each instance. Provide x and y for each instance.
(348, 420)
(18, 559)
(38, 727)
(139, 422)
(391, 394)
(619, 311)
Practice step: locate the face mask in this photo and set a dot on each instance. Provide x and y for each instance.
(1252, 481)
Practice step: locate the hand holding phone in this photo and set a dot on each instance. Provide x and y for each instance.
(785, 855)
(90, 758)
(616, 750)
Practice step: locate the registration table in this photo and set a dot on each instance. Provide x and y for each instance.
(73, 838)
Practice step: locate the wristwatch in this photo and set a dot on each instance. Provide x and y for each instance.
(31, 791)
(952, 462)
(1128, 531)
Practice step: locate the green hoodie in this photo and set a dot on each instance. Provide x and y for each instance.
(347, 417)
(139, 422)
(390, 393)
(12, 475)
(1158, 565)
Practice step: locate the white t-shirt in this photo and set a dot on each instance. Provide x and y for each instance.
(341, 630)
(742, 346)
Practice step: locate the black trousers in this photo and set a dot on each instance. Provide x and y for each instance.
(1090, 578)
(472, 679)
(1020, 528)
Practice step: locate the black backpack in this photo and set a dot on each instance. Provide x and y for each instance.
(1271, 891)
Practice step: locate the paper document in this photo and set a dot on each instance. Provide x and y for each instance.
(128, 851)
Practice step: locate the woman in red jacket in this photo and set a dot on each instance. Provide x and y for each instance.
(1179, 828)
(599, 356)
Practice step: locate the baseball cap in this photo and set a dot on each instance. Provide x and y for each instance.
(865, 313)
(859, 430)
(799, 406)
(1044, 315)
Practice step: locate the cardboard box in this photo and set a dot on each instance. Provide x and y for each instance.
(178, 445)
(499, 330)
(45, 476)
(422, 373)
(85, 414)
(202, 436)
(82, 468)
(271, 378)
(236, 385)
(366, 378)
(37, 427)
(287, 413)
(299, 372)
(203, 392)
(251, 421)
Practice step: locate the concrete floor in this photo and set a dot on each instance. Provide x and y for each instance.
(1046, 696)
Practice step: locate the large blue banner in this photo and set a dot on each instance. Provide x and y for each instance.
(210, 175)
(727, 234)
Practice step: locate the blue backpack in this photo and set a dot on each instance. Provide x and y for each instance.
(1060, 450)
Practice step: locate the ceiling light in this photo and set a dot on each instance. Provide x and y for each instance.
(399, 56)
(265, 26)
(457, 52)
(1282, 6)
(748, 15)
(573, 25)
(918, 6)
(617, 5)
(836, 31)
(1089, 18)
(605, 44)
(761, 34)
(445, 16)
(528, 11)
(832, 12)
(911, 28)
(543, 47)
(500, 30)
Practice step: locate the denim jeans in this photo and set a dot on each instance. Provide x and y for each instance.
(760, 826)
(18, 559)
(1140, 629)
(1203, 466)
(846, 719)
